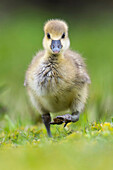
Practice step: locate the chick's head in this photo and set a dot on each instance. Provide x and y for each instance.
(56, 36)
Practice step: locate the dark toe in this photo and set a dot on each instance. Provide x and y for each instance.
(57, 121)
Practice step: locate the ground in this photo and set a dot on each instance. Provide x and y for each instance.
(80, 146)
(87, 144)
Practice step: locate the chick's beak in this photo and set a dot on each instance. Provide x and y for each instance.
(56, 46)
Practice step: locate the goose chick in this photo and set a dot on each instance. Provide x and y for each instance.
(57, 79)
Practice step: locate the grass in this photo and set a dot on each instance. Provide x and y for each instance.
(75, 147)
(88, 144)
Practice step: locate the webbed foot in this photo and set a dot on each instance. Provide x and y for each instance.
(67, 118)
(62, 119)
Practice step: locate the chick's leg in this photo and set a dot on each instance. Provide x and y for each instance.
(46, 118)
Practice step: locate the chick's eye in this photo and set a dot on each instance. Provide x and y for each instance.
(48, 36)
(63, 35)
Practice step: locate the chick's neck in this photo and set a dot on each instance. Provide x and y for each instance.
(53, 57)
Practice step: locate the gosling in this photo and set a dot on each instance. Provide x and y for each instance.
(57, 79)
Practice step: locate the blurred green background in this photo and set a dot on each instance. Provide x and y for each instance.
(83, 145)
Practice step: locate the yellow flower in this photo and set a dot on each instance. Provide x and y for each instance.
(107, 126)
